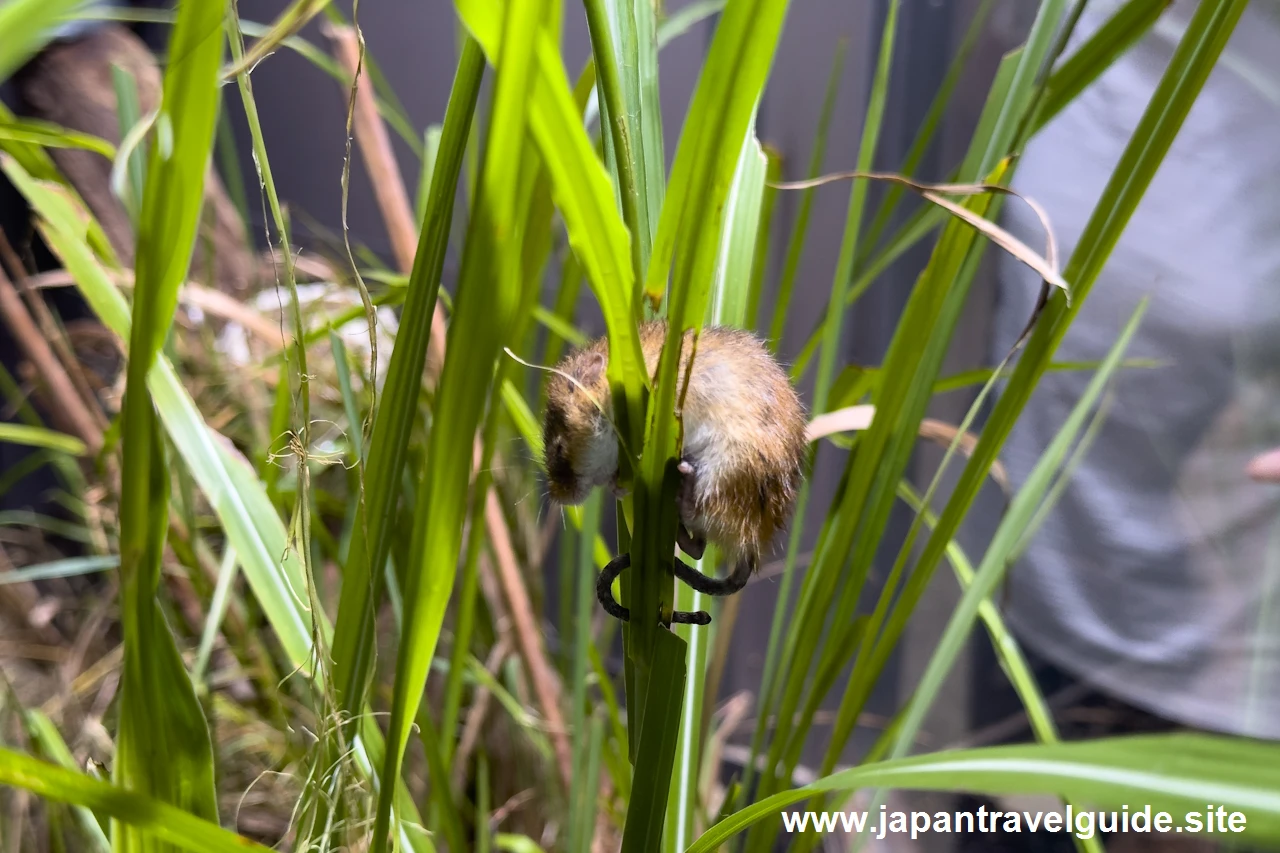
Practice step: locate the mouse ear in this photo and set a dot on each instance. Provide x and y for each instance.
(593, 367)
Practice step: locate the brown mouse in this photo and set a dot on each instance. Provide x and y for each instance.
(743, 455)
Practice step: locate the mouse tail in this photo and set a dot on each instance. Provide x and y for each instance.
(737, 578)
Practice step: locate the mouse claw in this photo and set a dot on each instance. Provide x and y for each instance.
(687, 491)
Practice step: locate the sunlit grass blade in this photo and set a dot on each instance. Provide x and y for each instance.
(151, 818)
(625, 51)
(48, 135)
(585, 199)
(294, 17)
(1173, 773)
(760, 265)
(28, 25)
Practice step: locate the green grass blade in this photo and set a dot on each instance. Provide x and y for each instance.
(717, 124)
(1173, 773)
(395, 417)
(294, 17)
(33, 436)
(625, 59)
(152, 818)
(686, 18)
(924, 138)
(583, 793)
(1192, 62)
(728, 307)
(585, 199)
(218, 604)
(69, 567)
(760, 265)
(740, 229)
(485, 309)
(50, 746)
(129, 177)
(28, 25)
(49, 135)
(163, 747)
(1121, 31)
(430, 151)
(646, 810)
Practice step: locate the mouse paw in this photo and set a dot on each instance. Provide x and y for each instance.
(694, 546)
(687, 491)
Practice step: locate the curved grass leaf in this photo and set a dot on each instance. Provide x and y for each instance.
(33, 436)
(48, 744)
(152, 819)
(49, 135)
(68, 568)
(1174, 773)
(291, 20)
(728, 307)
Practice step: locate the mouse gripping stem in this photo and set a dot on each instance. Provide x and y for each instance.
(693, 578)
(604, 593)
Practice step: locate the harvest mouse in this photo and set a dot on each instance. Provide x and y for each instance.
(743, 456)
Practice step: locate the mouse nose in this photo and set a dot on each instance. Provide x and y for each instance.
(566, 491)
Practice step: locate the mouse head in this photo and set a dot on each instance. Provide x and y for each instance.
(581, 448)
